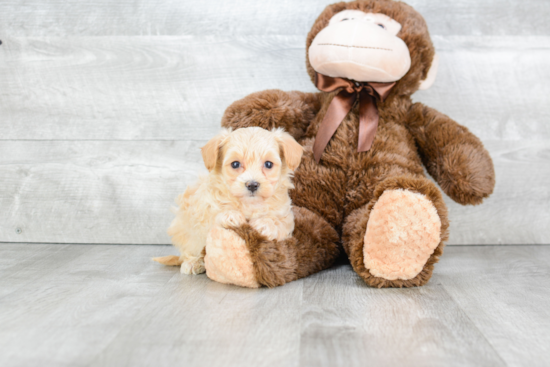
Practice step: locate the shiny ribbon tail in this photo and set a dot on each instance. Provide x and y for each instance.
(339, 107)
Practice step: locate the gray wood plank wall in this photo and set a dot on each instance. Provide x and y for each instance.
(103, 106)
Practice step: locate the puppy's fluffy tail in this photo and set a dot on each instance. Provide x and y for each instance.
(171, 260)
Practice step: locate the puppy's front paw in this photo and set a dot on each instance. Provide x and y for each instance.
(230, 218)
(193, 265)
(265, 226)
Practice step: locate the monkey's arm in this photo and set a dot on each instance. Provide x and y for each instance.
(274, 108)
(454, 156)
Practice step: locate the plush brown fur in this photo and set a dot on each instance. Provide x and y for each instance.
(269, 109)
(313, 248)
(334, 197)
(453, 156)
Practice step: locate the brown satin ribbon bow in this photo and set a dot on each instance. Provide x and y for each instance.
(367, 93)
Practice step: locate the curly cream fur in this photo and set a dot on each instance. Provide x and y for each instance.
(222, 199)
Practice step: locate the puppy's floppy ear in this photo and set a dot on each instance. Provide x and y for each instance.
(211, 150)
(292, 151)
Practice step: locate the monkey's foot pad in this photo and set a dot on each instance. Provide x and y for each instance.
(228, 260)
(403, 231)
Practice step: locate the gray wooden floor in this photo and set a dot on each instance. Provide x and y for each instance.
(109, 305)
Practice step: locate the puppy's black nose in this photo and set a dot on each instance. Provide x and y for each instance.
(252, 186)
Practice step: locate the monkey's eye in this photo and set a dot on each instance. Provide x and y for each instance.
(235, 165)
(381, 26)
(268, 165)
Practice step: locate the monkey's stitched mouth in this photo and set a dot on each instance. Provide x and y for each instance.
(335, 44)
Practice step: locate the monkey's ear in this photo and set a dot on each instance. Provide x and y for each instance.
(211, 150)
(432, 73)
(292, 151)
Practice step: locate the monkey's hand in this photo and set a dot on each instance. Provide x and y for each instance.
(453, 156)
(274, 108)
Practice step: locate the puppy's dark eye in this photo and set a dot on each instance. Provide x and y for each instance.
(381, 26)
(235, 165)
(268, 165)
(344, 19)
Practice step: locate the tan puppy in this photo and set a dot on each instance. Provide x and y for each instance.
(250, 172)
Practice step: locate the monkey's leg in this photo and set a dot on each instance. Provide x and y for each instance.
(394, 240)
(244, 257)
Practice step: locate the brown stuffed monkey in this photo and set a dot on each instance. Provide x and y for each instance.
(360, 186)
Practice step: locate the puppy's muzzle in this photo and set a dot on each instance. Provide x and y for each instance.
(252, 186)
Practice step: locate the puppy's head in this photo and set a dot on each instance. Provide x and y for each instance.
(252, 161)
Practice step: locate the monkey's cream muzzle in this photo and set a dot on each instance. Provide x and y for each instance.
(360, 46)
